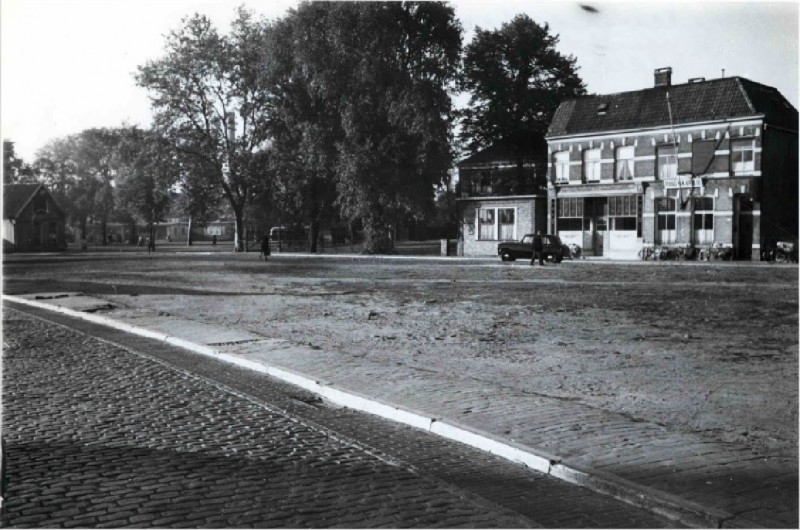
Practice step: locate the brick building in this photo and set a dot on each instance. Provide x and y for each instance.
(497, 201)
(708, 162)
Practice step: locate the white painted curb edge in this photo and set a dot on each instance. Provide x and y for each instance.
(663, 503)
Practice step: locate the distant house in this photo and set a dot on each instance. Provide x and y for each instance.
(708, 162)
(222, 229)
(496, 202)
(32, 220)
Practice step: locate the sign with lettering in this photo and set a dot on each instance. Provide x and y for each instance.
(683, 181)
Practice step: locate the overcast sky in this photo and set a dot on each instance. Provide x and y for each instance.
(68, 65)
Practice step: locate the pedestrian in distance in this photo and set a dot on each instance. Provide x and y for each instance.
(265, 246)
(537, 249)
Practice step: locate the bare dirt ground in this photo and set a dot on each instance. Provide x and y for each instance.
(706, 348)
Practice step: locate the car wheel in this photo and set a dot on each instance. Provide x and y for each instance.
(551, 258)
(559, 259)
(506, 256)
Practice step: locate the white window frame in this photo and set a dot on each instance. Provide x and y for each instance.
(512, 236)
(669, 168)
(629, 205)
(562, 167)
(480, 224)
(495, 225)
(625, 164)
(567, 209)
(592, 165)
(705, 235)
(746, 145)
(668, 235)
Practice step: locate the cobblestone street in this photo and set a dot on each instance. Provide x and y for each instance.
(96, 434)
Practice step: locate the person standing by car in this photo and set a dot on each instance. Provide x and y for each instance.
(538, 248)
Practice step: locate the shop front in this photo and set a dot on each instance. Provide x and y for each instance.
(605, 223)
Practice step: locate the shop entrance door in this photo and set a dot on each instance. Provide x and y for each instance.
(742, 227)
(597, 211)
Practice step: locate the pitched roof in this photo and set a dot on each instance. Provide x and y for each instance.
(501, 154)
(730, 97)
(16, 197)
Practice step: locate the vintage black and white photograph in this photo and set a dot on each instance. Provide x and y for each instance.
(387, 264)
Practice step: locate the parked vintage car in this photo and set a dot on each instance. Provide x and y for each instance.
(554, 249)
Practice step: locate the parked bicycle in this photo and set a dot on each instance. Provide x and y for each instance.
(780, 252)
(685, 253)
(721, 252)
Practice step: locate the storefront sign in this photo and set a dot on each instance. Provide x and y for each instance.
(683, 181)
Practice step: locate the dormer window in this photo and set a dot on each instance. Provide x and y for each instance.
(602, 108)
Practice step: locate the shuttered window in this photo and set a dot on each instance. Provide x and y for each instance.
(703, 156)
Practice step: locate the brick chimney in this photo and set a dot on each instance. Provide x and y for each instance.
(663, 76)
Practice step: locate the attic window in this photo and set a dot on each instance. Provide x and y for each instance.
(602, 108)
(40, 202)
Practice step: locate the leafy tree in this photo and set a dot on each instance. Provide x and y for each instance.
(516, 79)
(95, 160)
(206, 100)
(375, 107)
(55, 163)
(445, 215)
(305, 124)
(200, 195)
(15, 170)
(80, 169)
(148, 167)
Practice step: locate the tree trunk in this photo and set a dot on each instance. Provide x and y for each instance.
(83, 228)
(316, 214)
(238, 239)
(314, 235)
(377, 239)
(104, 230)
(189, 233)
(314, 217)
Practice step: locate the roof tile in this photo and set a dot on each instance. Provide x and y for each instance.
(731, 97)
(15, 196)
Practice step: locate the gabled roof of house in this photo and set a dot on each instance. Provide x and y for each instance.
(502, 154)
(715, 99)
(16, 197)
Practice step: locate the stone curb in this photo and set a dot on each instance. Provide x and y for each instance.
(662, 503)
